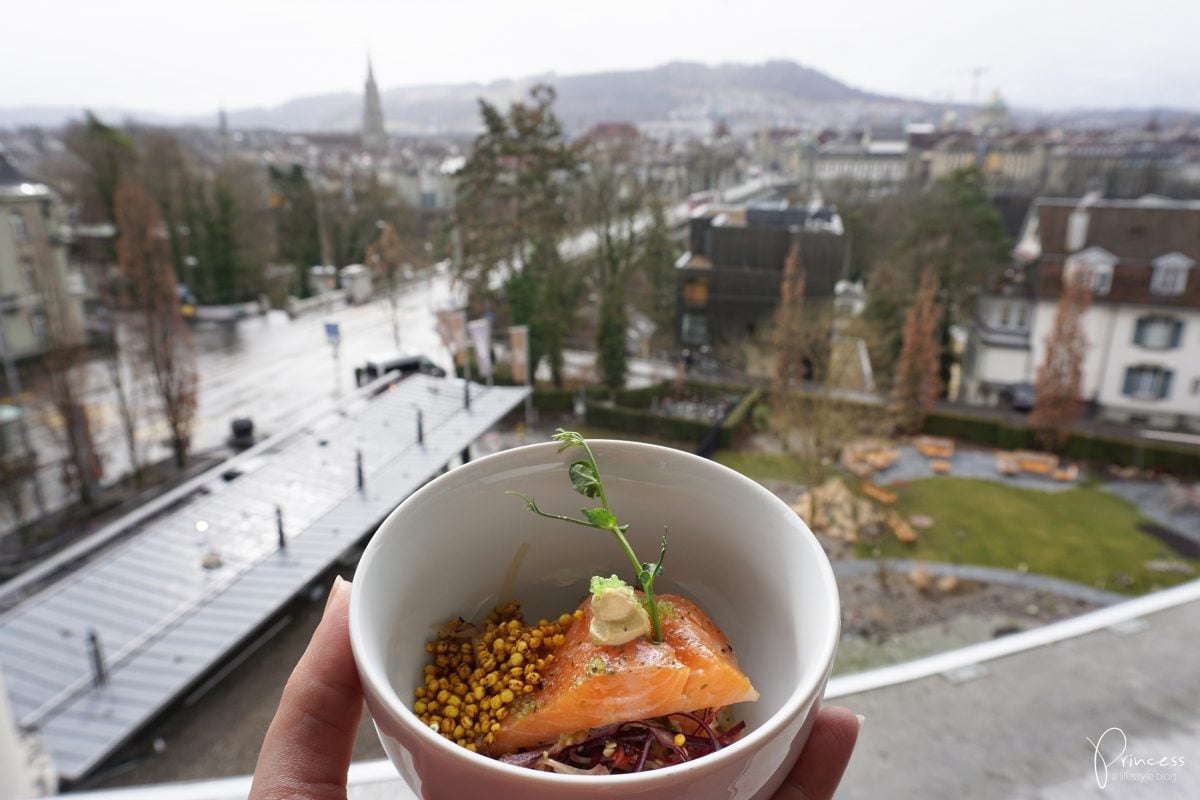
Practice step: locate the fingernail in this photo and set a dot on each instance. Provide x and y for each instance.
(861, 718)
(334, 590)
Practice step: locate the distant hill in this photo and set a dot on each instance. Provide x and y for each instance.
(679, 93)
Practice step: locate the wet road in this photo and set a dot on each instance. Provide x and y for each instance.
(268, 368)
(271, 368)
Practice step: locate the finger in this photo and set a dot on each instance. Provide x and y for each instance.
(824, 758)
(306, 753)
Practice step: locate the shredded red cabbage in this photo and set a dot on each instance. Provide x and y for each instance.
(633, 746)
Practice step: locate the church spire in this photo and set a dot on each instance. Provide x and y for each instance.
(374, 134)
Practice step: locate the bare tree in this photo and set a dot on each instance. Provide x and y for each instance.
(1056, 391)
(159, 336)
(790, 339)
(16, 473)
(386, 258)
(810, 412)
(125, 373)
(918, 381)
(66, 375)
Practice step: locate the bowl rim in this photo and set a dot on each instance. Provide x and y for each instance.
(376, 681)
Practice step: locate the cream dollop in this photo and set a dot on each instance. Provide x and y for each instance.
(618, 617)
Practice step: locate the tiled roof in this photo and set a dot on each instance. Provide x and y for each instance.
(1136, 231)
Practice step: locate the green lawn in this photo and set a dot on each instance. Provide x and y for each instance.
(594, 432)
(765, 466)
(1081, 534)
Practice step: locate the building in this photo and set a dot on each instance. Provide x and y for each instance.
(1010, 163)
(728, 283)
(1139, 258)
(374, 133)
(875, 162)
(39, 295)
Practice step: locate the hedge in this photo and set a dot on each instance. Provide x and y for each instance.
(1081, 446)
(619, 417)
(990, 432)
(1158, 456)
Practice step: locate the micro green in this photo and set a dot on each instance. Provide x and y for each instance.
(585, 478)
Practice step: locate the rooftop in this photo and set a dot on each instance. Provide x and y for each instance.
(180, 593)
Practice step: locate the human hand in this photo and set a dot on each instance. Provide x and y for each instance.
(306, 753)
(824, 758)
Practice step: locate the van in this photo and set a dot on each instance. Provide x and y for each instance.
(399, 366)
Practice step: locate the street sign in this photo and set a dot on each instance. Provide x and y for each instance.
(333, 333)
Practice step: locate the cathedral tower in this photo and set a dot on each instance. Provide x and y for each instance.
(374, 135)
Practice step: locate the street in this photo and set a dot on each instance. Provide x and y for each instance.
(271, 368)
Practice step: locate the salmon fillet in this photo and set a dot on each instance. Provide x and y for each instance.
(590, 685)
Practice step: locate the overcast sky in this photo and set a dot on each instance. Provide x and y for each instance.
(182, 56)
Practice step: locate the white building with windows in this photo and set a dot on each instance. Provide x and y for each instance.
(1139, 258)
(35, 282)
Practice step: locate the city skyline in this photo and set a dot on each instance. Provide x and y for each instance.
(1039, 56)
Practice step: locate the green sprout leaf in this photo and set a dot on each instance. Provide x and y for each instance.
(584, 479)
(600, 517)
(568, 439)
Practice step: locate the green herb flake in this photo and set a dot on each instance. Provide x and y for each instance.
(599, 586)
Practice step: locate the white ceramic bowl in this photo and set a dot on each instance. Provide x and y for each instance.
(460, 546)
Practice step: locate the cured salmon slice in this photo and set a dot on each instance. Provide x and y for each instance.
(714, 678)
(590, 685)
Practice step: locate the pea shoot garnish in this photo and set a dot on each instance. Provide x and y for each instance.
(585, 478)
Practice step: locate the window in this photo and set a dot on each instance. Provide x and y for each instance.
(694, 329)
(1147, 382)
(1022, 316)
(1158, 333)
(19, 229)
(695, 291)
(1168, 281)
(1195, 386)
(1094, 266)
(29, 277)
(37, 321)
(1005, 314)
(1170, 274)
(1098, 279)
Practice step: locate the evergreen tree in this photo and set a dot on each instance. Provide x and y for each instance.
(610, 339)
(511, 212)
(658, 266)
(611, 199)
(109, 154)
(297, 225)
(954, 230)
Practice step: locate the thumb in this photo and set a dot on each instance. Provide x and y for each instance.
(306, 753)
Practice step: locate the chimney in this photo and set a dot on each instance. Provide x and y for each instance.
(1077, 223)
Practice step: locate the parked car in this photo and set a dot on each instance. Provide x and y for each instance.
(1020, 397)
(396, 365)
